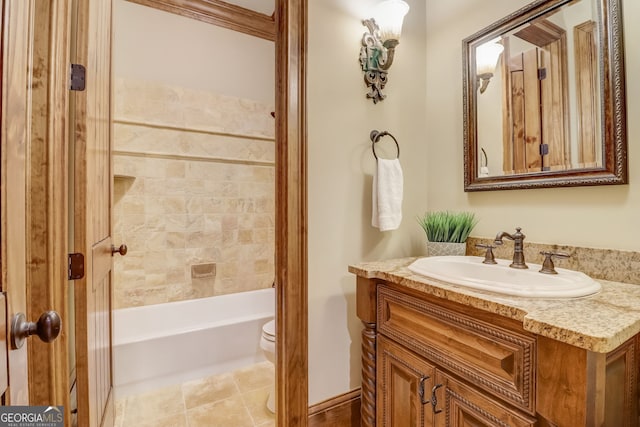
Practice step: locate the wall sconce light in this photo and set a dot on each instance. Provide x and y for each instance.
(487, 56)
(378, 45)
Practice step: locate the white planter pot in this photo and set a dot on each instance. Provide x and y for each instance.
(446, 248)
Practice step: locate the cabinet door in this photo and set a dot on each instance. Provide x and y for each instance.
(404, 384)
(621, 389)
(459, 405)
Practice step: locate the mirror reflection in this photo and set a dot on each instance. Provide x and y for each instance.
(537, 100)
(530, 98)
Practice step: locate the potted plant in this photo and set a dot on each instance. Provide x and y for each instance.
(447, 232)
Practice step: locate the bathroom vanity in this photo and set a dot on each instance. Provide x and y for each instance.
(436, 354)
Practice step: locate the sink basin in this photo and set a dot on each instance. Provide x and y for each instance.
(470, 272)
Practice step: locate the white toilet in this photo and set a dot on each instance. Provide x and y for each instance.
(268, 346)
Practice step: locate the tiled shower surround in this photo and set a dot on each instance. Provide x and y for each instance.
(193, 194)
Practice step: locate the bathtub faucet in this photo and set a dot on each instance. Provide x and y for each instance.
(518, 246)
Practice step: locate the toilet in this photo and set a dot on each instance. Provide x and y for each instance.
(268, 346)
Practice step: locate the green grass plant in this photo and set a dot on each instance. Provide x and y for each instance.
(445, 226)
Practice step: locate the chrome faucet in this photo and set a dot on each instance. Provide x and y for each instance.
(518, 253)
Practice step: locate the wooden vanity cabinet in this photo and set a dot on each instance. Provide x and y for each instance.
(432, 362)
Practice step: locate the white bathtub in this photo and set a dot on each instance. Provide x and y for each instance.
(171, 343)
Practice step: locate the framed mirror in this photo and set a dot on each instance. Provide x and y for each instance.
(544, 98)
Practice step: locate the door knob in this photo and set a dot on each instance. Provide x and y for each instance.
(47, 328)
(122, 250)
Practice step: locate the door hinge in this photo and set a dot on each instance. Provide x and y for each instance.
(76, 266)
(77, 77)
(542, 73)
(544, 149)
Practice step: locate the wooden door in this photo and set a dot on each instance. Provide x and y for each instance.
(405, 384)
(459, 405)
(525, 101)
(92, 217)
(535, 95)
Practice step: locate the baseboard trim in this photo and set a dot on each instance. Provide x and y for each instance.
(338, 411)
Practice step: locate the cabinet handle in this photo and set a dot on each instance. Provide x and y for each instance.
(421, 389)
(434, 399)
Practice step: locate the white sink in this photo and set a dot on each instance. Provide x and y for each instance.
(469, 271)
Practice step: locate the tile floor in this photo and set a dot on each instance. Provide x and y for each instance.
(235, 399)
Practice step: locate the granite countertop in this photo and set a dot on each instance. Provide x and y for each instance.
(599, 323)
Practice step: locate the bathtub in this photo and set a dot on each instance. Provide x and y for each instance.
(163, 344)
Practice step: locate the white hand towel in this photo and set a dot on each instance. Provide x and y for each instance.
(387, 195)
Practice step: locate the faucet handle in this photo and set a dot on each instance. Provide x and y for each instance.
(547, 265)
(488, 256)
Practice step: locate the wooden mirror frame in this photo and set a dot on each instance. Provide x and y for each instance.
(288, 28)
(613, 105)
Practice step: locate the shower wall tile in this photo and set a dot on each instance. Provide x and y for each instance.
(169, 106)
(133, 137)
(195, 184)
(132, 279)
(133, 206)
(134, 261)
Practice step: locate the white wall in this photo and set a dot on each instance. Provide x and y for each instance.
(341, 167)
(163, 47)
(602, 217)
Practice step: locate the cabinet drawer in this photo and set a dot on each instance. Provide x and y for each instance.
(493, 358)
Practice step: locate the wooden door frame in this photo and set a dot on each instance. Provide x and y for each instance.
(288, 27)
(291, 214)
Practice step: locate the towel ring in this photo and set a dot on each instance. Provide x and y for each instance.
(375, 137)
